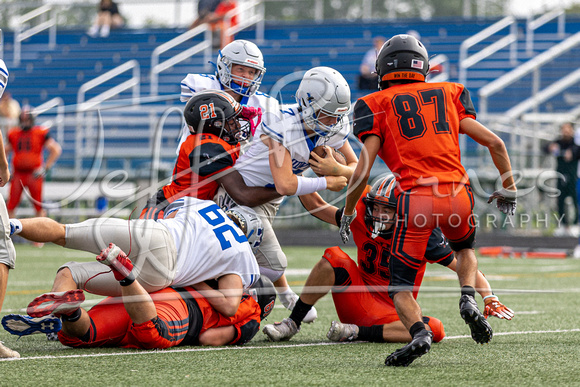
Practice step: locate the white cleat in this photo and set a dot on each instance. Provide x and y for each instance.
(289, 301)
(281, 331)
(6, 352)
(342, 332)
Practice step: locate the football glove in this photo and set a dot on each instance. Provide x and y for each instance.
(345, 222)
(250, 113)
(493, 307)
(39, 172)
(505, 200)
(3, 77)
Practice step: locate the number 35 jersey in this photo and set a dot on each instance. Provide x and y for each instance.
(209, 244)
(418, 124)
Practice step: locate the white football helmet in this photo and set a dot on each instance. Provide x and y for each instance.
(3, 77)
(323, 89)
(245, 53)
(250, 224)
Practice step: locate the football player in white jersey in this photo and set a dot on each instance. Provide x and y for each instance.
(281, 151)
(7, 252)
(239, 72)
(196, 242)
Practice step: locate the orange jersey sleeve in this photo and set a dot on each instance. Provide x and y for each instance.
(28, 146)
(201, 156)
(419, 126)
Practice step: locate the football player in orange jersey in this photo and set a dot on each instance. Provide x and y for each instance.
(359, 289)
(28, 143)
(217, 124)
(414, 127)
(163, 319)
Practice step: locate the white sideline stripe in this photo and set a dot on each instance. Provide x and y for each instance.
(258, 347)
(517, 333)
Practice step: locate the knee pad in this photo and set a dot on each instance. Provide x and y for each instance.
(273, 275)
(436, 328)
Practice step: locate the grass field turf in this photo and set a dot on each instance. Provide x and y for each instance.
(540, 346)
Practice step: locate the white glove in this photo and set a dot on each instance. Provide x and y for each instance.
(3, 77)
(345, 222)
(505, 200)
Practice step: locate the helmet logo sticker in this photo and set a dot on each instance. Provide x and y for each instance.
(207, 111)
(417, 64)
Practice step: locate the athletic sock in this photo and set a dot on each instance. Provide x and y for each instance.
(416, 328)
(72, 317)
(373, 334)
(299, 312)
(468, 290)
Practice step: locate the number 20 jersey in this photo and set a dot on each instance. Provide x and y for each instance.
(418, 124)
(209, 244)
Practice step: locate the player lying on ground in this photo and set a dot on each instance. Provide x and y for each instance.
(359, 292)
(196, 242)
(166, 318)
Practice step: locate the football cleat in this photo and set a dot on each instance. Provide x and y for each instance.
(481, 331)
(22, 325)
(114, 257)
(289, 301)
(420, 345)
(6, 352)
(342, 332)
(57, 303)
(281, 331)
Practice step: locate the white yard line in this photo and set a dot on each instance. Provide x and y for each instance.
(205, 349)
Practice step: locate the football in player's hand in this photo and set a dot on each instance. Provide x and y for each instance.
(321, 151)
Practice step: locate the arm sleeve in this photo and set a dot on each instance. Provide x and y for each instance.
(364, 121)
(213, 158)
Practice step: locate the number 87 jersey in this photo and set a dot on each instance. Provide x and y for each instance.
(418, 125)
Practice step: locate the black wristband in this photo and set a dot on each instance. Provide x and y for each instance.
(338, 215)
(127, 280)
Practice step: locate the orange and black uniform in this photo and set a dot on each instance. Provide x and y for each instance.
(360, 292)
(418, 125)
(182, 315)
(201, 157)
(27, 146)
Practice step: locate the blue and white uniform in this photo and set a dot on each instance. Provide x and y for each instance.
(199, 243)
(254, 166)
(194, 83)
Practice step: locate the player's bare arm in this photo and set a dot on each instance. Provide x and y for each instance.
(496, 146)
(4, 167)
(360, 176)
(319, 208)
(281, 167)
(226, 299)
(236, 187)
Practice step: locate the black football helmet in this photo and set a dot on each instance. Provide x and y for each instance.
(264, 293)
(382, 192)
(402, 57)
(216, 112)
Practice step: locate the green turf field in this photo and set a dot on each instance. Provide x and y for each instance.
(540, 346)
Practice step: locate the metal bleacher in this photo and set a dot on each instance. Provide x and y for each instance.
(130, 124)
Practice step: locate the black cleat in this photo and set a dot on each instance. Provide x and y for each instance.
(481, 331)
(420, 345)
